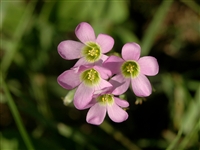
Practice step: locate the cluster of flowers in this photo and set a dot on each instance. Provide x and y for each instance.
(100, 79)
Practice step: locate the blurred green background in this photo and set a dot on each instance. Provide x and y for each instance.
(32, 113)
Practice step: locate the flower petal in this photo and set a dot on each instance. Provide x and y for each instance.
(113, 63)
(69, 79)
(116, 113)
(131, 51)
(104, 72)
(106, 42)
(141, 86)
(96, 114)
(91, 103)
(148, 65)
(83, 96)
(70, 49)
(101, 60)
(85, 32)
(81, 61)
(120, 84)
(120, 102)
(103, 85)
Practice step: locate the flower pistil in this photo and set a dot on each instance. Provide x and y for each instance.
(130, 69)
(91, 77)
(105, 99)
(92, 52)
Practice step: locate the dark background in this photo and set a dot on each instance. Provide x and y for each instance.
(30, 33)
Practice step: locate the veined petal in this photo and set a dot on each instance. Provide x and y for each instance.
(83, 96)
(120, 84)
(70, 49)
(131, 51)
(90, 104)
(116, 113)
(148, 65)
(141, 86)
(106, 42)
(81, 61)
(120, 102)
(85, 33)
(96, 114)
(81, 68)
(103, 85)
(69, 79)
(113, 63)
(104, 57)
(104, 72)
(101, 60)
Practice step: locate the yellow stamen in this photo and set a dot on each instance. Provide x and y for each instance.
(129, 68)
(93, 52)
(91, 74)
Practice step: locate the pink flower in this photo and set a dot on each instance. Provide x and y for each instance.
(106, 102)
(90, 49)
(87, 79)
(132, 70)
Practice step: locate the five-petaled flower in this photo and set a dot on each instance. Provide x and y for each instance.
(87, 79)
(90, 49)
(106, 102)
(132, 70)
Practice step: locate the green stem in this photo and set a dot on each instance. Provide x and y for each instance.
(193, 5)
(188, 137)
(17, 117)
(175, 141)
(17, 36)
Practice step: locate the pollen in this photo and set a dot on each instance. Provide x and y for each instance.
(130, 69)
(90, 77)
(106, 99)
(91, 74)
(92, 52)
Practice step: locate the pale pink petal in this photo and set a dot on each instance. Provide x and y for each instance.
(116, 113)
(104, 72)
(113, 63)
(82, 68)
(106, 42)
(148, 65)
(96, 114)
(69, 79)
(70, 49)
(141, 86)
(131, 51)
(101, 60)
(83, 96)
(103, 85)
(120, 84)
(81, 61)
(104, 57)
(120, 102)
(85, 33)
(91, 103)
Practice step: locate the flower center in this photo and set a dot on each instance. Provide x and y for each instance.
(92, 52)
(105, 99)
(130, 69)
(90, 77)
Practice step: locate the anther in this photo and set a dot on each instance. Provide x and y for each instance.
(93, 52)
